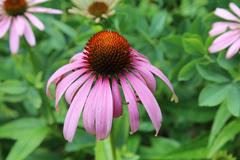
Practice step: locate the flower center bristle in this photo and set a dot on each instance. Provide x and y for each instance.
(108, 53)
(98, 9)
(15, 7)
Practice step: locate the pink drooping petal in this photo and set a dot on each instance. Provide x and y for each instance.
(34, 2)
(139, 56)
(233, 49)
(20, 25)
(63, 85)
(224, 41)
(225, 14)
(132, 105)
(4, 26)
(139, 76)
(28, 34)
(75, 110)
(60, 72)
(235, 9)
(148, 77)
(220, 27)
(91, 106)
(77, 57)
(148, 100)
(161, 75)
(35, 21)
(14, 40)
(117, 99)
(44, 10)
(104, 111)
(71, 91)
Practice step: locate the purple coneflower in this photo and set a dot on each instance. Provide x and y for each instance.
(15, 16)
(92, 81)
(94, 9)
(228, 31)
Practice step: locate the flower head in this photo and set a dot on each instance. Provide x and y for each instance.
(228, 31)
(95, 9)
(92, 82)
(15, 16)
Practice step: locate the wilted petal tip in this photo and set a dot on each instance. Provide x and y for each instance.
(174, 98)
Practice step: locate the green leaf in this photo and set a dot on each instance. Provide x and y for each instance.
(159, 148)
(146, 127)
(81, 140)
(200, 153)
(226, 63)
(195, 149)
(188, 71)
(44, 154)
(172, 44)
(33, 101)
(120, 130)
(65, 28)
(233, 100)
(158, 23)
(220, 120)
(7, 112)
(193, 45)
(28, 143)
(210, 73)
(13, 87)
(227, 134)
(133, 143)
(213, 95)
(104, 150)
(18, 128)
(192, 113)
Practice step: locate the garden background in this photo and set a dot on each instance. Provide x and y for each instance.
(173, 34)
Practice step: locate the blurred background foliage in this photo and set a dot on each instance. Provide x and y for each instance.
(205, 124)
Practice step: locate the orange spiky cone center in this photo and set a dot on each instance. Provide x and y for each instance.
(15, 7)
(108, 53)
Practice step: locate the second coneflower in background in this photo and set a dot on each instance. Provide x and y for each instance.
(228, 31)
(17, 17)
(94, 9)
(92, 81)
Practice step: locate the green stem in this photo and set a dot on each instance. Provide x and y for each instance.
(105, 149)
(113, 145)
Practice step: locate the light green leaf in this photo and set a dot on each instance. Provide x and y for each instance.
(28, 143)
(65, 28)
(172, 44)
(195, 149)
(33, 101)
(193, 45)
(81, 140)
(211, 74)
(200, 153)
(213, 95)
(13, 87)
(133, 143)
(120, 129)
(188, 71)
(220, 119)
(146, 127)
(159, 148)
(18, 128)
(226, 63)
(227, 134)
(233, 100)
(7, 112)
(158, 23)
